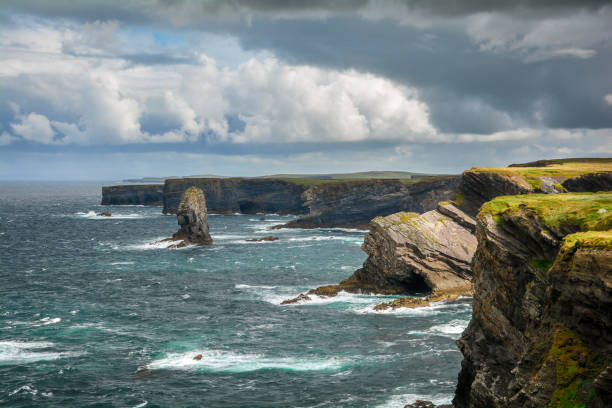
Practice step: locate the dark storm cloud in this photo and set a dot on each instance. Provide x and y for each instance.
(171, 10)
(467, 90)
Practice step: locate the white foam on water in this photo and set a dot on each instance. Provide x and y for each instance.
(122, 263)
(222, 237)
(361, 231)
(327, 238)
(433, 309)
(158, 244)
(25, 389)
(452, 329)
(403, 399)
(50, 320)
(243, 286)
(92, 215)
(23, 352)
(144, 404)
(230, 362)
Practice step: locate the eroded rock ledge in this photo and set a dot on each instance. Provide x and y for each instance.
(411, 253)
(540, 331)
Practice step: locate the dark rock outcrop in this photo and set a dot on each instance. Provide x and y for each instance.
(411, 253)
(539, 334)
(193, 219)
(355, 203)
(267, 238)
(425, 404)
(239, 195)
(105, 214)
(145, 194)
(589, 182)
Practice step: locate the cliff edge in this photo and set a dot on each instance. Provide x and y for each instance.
(540, 330)
(481, 184)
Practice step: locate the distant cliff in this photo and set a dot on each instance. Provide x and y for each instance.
(240, 195)
(355, 203)
(320, 203)
(540, 330)
(142, 194)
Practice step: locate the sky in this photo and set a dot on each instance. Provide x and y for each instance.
(104, 90)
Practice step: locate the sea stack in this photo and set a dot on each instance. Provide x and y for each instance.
(193, 219)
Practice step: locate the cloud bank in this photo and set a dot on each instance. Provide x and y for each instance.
(408, 83)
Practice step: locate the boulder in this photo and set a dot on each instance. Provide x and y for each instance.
(262, 239)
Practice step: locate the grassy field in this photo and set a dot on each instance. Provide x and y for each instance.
(588, 211)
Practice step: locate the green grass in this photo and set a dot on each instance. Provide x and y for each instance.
(541, 264)
(559, 170)
(544, 163)
(584, 211)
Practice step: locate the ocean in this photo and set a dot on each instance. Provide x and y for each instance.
(85, 301)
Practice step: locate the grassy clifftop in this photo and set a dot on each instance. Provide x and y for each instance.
(557, 170)
(587, 211)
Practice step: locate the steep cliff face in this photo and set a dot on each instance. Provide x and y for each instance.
(233, 195)
(321, 203)
(542, 274)
(355, 203)
(145, 194)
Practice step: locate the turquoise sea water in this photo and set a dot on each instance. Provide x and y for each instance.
(85, 301)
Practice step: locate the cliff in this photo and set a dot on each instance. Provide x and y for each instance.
(481, 184)
(232, 195)
(145, 194)
(540, 330)
(321, 203)
(354, 203)
(432, 252)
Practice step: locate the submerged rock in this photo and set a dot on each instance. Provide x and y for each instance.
(425, 404)
(105, 214)
(301, 298)
(198, 357)
(262, 239)
(193, 219)
(447, 295)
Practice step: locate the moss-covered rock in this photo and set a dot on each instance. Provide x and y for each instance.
(539, 334)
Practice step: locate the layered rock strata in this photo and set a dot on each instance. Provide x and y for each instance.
(540, 330)
(239, 195)
(355, 203)
(411, 253)
(193, 220)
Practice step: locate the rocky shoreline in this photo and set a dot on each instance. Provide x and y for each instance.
(532, 250)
